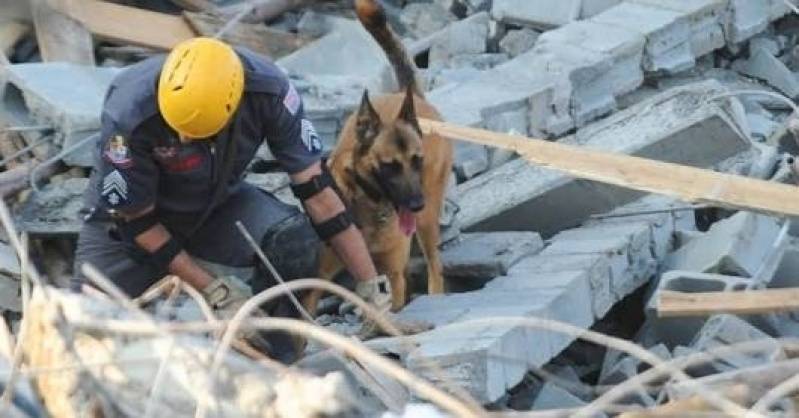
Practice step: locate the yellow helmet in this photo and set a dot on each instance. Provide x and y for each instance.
(200, 87)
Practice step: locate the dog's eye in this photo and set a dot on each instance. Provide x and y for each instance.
(416, 162)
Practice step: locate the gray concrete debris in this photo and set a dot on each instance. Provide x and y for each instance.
(735, 246)
(706, 19)
(9, 263)
(417, 411)
(723, 330)
(488, 255)
(747, 18)
(469, 160)
(518, 41)
(553, 396)
(668, 34)
(547, 13)
(55, 210)
(676, 126)
(762, 65)
(66, 96)
(423, 19)
(325, 62)
(464, 37)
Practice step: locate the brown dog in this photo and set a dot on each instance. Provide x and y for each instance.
(391, 176)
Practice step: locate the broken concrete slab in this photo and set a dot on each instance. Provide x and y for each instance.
(67, 96)
(735, 246)
(553, 396)
(762, 65)
(464, 37)
(746, 18)
(9, 263)
(487, 255)
(423, 19)
(487, 360)
(724, 330)
(668, 35)
(624, 45)
(706, 19)
(596, 265)
(325, 62)
(546, 14)
(56, 210)
(678, 126)
(518, 41)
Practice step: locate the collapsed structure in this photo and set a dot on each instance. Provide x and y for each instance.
(654, 79)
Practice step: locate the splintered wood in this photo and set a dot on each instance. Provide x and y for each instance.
(686, 183)
(679, 304)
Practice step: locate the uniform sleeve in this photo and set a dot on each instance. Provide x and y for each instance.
(127, 171)
(290, 136)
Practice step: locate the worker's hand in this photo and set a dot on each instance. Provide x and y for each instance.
(226, 295)
(376, 292)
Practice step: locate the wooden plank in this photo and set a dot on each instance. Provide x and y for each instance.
(129, 25)
(679, 304)
(258, 37)
(60, 37)
(682, 182)
(12, 32)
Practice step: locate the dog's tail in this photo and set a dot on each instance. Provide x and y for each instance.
(373, 18)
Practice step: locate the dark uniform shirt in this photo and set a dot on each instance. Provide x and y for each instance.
(140, 161)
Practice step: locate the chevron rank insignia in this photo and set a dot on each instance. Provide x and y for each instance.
(115, 188)
(309, 136)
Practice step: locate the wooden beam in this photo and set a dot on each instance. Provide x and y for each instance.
(682, 182)
(129, 25)
(60, 37)
(679, 304)
(258, 37)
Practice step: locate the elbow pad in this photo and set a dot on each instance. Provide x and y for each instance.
(304, 191)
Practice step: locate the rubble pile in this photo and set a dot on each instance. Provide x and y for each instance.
(701, 83)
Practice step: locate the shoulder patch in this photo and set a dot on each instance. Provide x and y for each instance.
(117, 152)
(309, 137)
(115, 188)
(292, 100)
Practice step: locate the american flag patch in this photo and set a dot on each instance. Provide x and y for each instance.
(292, 100)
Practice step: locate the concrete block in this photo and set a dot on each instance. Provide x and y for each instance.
(487, 360)
(56, 210)
(734, 246)
(762, 65)
(677, 126)
(488, 255)
(517, 42)
(706, 19)
(624, 45)
(546, 14)
(724, 330)
(668, 34)
(466, 36)
(469, 160)
(324, 61)
(553, 396)
(67, 96)
(597, 266)
(423, 19)
(746, 18)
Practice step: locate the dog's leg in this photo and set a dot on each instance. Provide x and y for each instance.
(393, 263)
(329, 266)
(428, 236)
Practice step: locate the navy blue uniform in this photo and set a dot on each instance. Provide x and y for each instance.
(141, 163)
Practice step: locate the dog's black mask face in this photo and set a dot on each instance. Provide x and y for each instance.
(391, 154)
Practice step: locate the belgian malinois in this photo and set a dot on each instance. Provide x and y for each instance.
(391, 176)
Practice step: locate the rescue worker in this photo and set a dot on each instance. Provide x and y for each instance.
(178, 132)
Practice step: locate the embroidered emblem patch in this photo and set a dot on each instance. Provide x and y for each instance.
(292, 100)
(115, 188)
(117, 152)
(309, 137)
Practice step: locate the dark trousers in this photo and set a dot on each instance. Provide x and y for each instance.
(283, 232)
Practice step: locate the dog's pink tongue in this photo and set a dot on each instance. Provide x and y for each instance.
(407, 222)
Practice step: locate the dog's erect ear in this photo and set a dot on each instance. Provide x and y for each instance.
(408, 112)
(367, 124)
